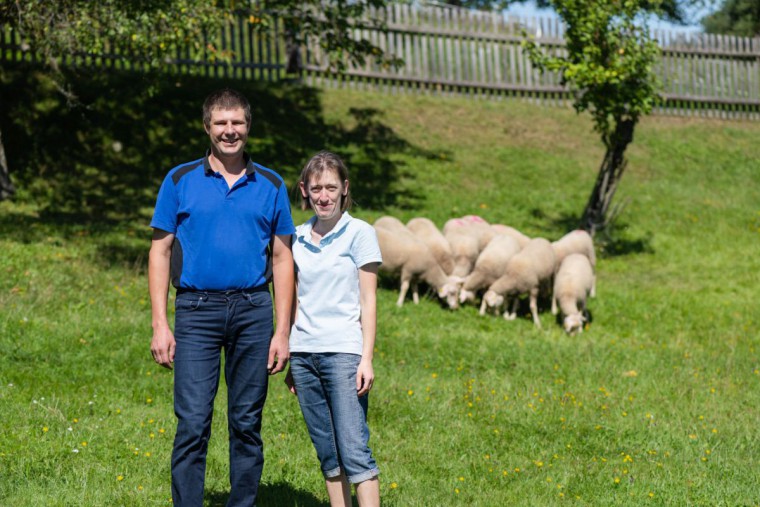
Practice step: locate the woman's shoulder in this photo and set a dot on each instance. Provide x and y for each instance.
(360, 227)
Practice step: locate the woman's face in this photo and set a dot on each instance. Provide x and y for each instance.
(325, 192)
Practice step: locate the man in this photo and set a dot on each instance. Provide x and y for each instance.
(221, 229)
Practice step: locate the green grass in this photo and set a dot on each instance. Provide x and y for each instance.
(654, 404)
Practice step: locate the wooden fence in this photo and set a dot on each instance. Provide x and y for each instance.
(448, 50)
(457, 51)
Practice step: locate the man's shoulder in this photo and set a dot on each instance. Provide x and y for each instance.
(183, 169)
(269, 175)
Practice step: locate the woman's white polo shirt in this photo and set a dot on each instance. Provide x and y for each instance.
(329, 310)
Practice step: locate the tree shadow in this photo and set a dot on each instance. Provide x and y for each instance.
(614, 241)
(271, 495)
(98, 164)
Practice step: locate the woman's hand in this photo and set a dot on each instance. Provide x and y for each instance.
(365, 377)
(289, 382)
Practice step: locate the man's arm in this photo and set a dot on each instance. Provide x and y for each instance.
(159, 261)
(282, 276)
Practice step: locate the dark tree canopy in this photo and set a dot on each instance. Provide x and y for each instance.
(671, 10)
(735, 17)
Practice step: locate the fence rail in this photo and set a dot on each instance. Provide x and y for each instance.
(451, 50)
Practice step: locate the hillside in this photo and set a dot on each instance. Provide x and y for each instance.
(652, 404)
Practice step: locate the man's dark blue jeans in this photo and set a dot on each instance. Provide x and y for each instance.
(241, 324)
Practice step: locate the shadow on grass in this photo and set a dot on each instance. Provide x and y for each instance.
(612, 242)
(94, 166)
(274, 495)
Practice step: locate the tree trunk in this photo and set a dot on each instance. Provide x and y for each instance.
(598, 215)
(7, 189)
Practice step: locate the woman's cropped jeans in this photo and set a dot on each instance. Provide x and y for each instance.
(335, 415)
(241, 324)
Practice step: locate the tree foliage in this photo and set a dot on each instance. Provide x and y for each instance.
(672, 10)
(609, 59)
(152, 29)
(608, 64)
(735, 17)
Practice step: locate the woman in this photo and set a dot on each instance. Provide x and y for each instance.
(333, 335)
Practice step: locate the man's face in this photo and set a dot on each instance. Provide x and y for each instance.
(228, 132)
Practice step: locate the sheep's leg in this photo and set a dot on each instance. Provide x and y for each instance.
(483, 307)
(593, 285)
(534, 307)
(402, 292)
(415, 292)
(513, 314)
(554, 304)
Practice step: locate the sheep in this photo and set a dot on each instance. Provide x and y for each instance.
(525, 272)
(578, 241)
(389, 222)
(468, 236)
(489, 266)
(521, 238)
(572, 285)
(474, 226)
(404, 253)
(465, 249)
(426, 231)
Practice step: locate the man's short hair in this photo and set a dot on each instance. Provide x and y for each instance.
(226, 98)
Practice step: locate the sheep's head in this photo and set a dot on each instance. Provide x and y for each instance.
(449, 293)
(574, 323)
(493, 299)
(466, 295)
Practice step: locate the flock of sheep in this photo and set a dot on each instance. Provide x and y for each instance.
(471, 257)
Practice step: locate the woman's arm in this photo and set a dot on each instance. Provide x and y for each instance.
(365, 375)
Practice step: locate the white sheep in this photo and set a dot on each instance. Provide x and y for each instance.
(389, 222)
(572, 285)
(428, 233)
(403, 253)
(578, 241)
(465, 248)
(474, 226)
(490, 265)
(521, 238)
(526, 271)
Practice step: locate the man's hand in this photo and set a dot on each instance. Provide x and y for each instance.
(278, 348)
(162, 346)
(365, 377)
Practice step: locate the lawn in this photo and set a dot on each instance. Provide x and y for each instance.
(651, 405)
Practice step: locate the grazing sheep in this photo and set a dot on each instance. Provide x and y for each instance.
(428, 233)
(578, 241)
(490, 265)
(526, 271)
(404, 253)
(468, 236)
(465, 249)
(389, 222)
(521, 238)
(572, 284)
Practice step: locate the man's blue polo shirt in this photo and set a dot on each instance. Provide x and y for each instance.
(222, 234)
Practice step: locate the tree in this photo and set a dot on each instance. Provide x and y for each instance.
(672, 10)
(608, 66)
(152, 30)
(735, 17)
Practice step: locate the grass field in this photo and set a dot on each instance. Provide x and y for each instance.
(656, 403)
